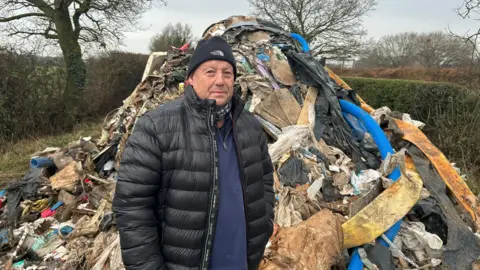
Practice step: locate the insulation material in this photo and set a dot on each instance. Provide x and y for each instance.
(67, 178)
(280, 108)
(313, 244)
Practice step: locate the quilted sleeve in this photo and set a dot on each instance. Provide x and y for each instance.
(134, 203)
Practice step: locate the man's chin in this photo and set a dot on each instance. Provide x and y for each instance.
(220, 100)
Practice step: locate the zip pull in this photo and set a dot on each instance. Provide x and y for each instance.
(225, 145)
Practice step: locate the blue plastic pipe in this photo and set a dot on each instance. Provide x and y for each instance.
(385, 148)
(40, 162)
(302, 41)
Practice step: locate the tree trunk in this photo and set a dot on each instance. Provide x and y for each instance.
(74, 64)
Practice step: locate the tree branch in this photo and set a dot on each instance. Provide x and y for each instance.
(82, 9)
(29, 34)
(20, 16)
(40, 4)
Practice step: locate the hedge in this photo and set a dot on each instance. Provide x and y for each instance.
(31, 91)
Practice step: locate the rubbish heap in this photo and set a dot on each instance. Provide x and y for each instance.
(335, 188)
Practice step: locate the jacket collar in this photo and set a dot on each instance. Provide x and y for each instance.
(201, 106)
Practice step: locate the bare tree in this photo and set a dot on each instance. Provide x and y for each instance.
(435, 49)
(332, 27)
(438, 49)
(394, 50)
(171, 35)
(470, 9)
(71, 23)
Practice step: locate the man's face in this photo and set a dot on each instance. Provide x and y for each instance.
(213, 79)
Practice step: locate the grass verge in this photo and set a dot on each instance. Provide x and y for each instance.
(15, 157)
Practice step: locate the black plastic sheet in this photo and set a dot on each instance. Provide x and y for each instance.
(462, 246)
(295, 91)
(329, 191)
(381, 256)
(428, 212)
(107, 221)
(292, 172)
(329, 122)
(24, 189)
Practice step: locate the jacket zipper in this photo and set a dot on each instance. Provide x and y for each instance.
(213, 197)
(240, 165)
(225, 147)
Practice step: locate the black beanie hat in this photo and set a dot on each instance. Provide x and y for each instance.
(214, 48)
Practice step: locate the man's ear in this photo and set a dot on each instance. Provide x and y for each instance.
(190, 79)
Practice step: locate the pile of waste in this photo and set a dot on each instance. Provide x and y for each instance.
(354, 186)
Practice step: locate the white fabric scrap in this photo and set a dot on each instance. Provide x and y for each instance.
(334, 168)
(407, 118)
(362, 181)
(379, 113)
(417, 239)
(435, 262)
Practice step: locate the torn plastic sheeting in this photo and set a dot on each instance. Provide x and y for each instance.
(357, 126)
(383, 212)
(364, 181)
(453, 180)
(294, 206)
(330, 192)
(345, 86)
(313, 244)
(461, 248)
(328, 112)
(380, 114)
(289, 136)
(22, 190)
(407, 118)
(296, 92)
(107, 221)
(293, 172)
(429, 213)
(104, 156)
(380, 256)
(280, 108)
(416, 238)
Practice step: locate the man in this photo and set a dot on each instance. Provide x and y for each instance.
(195, 184)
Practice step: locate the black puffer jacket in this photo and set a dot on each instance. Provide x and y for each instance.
(166, 199)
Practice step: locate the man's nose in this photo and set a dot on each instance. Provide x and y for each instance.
(219, 79)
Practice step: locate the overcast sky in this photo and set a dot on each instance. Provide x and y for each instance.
(390, 17)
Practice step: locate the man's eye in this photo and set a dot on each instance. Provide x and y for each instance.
(210, 72)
